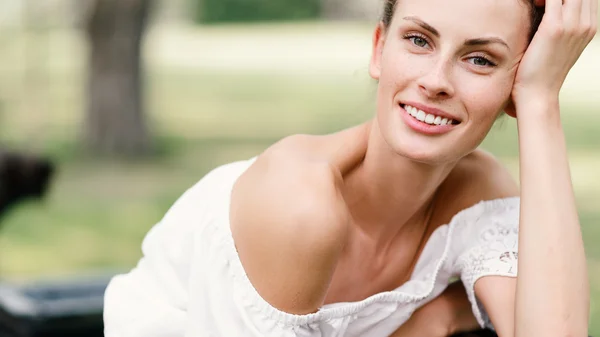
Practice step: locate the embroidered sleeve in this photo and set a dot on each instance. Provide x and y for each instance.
(489, 246)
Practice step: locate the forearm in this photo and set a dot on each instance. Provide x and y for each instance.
(552, 288)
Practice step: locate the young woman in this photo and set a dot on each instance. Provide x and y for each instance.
(362, 232)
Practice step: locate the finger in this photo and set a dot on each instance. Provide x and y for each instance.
(572, 13)
(594, 13)
(585, 17)
(554, 9)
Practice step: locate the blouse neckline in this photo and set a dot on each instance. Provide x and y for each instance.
(340, 309)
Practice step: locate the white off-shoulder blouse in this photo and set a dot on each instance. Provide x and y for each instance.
(190, 281)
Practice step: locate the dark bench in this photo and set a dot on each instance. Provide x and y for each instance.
(65, 308)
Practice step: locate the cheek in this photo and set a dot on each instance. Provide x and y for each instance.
(485, 97)
(400, 67)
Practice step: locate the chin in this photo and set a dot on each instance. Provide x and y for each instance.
(432, 158)
(418, 148)
(432, 152)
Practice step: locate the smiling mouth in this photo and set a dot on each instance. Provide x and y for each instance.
(427, 118)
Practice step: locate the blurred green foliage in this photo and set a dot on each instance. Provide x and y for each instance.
(99, 210)
(212, 11)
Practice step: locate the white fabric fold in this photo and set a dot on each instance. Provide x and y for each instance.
(191, 282)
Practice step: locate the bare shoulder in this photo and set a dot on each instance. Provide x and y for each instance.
(289, 224)
(478, 176)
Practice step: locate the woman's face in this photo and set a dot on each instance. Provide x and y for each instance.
(455, 60)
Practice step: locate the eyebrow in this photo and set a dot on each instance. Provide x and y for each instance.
(423, 24)
(470, 42)
(484, 41)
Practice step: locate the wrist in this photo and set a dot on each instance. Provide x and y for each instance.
(437, 317)
(424, 322)
(450, 315)
(535, 98)
(537, 107)
(457, 310)
(528, 91)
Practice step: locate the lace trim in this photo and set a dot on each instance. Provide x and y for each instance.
(256, 302)
(252, 299)
(495, 254)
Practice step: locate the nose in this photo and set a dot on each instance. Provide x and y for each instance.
(436, 81)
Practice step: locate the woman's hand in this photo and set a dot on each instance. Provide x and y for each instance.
(566, 29)
(548, 219)
(447, 314)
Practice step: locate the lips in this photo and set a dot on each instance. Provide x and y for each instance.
(429, 121)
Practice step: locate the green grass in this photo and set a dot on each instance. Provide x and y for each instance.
(98, 210)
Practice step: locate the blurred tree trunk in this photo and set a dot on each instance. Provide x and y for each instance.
(352, 9)
(115, 121)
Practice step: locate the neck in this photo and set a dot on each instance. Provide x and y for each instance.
(389, 194)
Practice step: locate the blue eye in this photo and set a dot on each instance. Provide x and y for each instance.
(417, 40)
(482, 61)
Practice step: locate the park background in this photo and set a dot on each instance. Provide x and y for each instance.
(219, 82)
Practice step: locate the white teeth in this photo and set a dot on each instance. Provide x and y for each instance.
(427, 118)
(413, 111)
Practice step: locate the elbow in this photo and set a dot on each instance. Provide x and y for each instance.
(553, 331)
